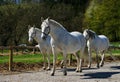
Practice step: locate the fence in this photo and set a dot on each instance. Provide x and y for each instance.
(11, 48)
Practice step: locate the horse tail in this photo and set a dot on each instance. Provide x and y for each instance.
(108, 49)
(113, 57)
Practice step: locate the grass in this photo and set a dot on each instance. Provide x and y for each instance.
(26, 58)
(36, 58)
(116, 52)
(4, 59)
(5, 51)
(115, 43)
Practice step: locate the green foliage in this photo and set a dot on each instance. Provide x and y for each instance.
(103, 16)
(115, 43)
(16, 18)
(37, 58)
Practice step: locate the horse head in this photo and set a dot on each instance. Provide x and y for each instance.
(89, 34)
(45, 28)
(31, 33)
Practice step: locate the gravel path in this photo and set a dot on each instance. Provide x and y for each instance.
(109, 73)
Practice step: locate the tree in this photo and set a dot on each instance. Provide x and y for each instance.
(14, 19)
(103, 16)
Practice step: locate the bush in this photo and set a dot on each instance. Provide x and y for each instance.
(103, 16)
(16, 18)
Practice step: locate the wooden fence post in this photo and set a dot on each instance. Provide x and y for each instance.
(10, 58)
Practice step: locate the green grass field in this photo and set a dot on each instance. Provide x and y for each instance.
(26, 58)
(36, 58)
(115, 43)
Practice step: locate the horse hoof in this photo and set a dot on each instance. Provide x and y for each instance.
(65, 73)
(77, 70)
(89, 66)
(52, 74)
(101, 65)
(44, 68)
(48, 69)
(98, 66)
(61, 66)
(80, 70)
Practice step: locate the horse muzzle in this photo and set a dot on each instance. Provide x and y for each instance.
(43, 37)
(30, 40)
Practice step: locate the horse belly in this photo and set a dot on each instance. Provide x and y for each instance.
(73, 48)
(75, 44)
(72, 51)
(103, 46)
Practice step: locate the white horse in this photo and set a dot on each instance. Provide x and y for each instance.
(44, 45)
(98, 43)
(64, 41)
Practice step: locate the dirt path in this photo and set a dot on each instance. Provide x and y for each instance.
(109, 73)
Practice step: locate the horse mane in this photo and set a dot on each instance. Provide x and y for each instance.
(39, 30)
(56, 23)
(91, 33)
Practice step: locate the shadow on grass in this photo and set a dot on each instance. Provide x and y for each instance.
(100, 75)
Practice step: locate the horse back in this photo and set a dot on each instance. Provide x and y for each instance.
(104, 41)
(80, 37)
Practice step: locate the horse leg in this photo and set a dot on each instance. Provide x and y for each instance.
(97, 59)
(44, 58)
(48, 59)
(54, 61)
(77, 58)
(80, 67)
(70, 59)
(61, 63)
(102, 59)
(89, 59)
(112, 56)
(65, 61)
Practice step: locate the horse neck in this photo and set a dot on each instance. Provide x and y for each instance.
(38, 37)
(56, 32)
(93, 39)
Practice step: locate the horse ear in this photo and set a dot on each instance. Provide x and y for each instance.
(48, 18)
(29, 26)
(34, 26)
(87, 30)
(42, 19)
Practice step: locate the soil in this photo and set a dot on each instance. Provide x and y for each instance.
(19, 67)
(110, 72)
